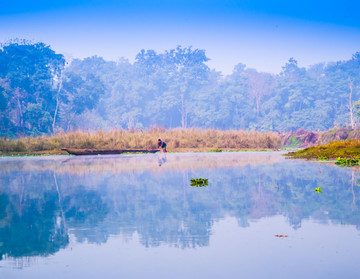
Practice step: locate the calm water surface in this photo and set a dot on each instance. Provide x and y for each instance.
(136, 216)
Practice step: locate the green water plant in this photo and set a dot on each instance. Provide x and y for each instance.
(216, 150)
(199, 182)
(347, 162)
(318, 190)
(323, 158)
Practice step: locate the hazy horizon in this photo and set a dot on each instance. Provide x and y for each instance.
(260, 35)
(38, 95)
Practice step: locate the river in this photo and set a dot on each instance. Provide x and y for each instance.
(137, 216)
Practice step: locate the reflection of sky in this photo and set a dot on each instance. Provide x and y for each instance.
(261, 34)
(315, 251)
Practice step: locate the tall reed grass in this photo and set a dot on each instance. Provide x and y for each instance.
(176, 139)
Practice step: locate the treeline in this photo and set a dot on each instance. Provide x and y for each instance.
(42, 93)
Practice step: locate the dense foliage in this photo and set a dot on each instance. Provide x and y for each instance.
(40, 93)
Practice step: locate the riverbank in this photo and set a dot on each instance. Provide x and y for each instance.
(178, 140)
(344, 149)
(178, 150)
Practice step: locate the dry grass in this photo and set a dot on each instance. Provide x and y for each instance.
(176, 139)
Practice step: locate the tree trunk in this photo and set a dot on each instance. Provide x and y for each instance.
(20, 113)
(354, 206)
(183, 112)
(257, 98)
(60, 203)
(350, 105)
(55, 113)
(57, 104)
(69, 122)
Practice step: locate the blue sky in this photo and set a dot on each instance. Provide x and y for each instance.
(260, 34)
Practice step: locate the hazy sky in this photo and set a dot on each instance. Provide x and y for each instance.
(261, 34)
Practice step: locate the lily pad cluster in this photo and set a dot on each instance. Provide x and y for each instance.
(199, 182)
(347, 162)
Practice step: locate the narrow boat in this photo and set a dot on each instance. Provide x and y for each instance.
(74, 151)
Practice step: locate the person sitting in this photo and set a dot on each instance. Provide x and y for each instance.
(161, 145)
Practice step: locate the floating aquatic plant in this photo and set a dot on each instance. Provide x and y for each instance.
(347, 162)
(318, 190)
(323, 158)
(199, 182)
(216, 150)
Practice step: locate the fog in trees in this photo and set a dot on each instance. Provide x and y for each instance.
(42, 93)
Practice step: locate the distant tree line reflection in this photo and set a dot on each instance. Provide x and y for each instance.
(40, 209)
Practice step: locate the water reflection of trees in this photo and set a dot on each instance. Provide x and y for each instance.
(122, 164)
(38, 209)
(30, 225)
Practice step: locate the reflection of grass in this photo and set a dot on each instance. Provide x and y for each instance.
(344, 149)
(176, 139)
(128, 163)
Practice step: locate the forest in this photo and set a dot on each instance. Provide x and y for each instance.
(42, 93)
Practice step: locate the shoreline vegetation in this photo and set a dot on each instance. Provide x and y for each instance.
(177, 140)
(349, 149)
(327, 145)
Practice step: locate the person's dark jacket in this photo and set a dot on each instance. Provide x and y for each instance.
(161, 144)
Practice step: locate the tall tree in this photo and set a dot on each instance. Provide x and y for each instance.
(259, 85)
(188, 73)
(30, 69)
(79, 95)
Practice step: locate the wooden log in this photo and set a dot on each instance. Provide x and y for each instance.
(74, 151)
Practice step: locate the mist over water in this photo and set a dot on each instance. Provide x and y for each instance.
(126, 216)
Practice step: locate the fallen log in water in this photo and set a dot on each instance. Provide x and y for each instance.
(74, 151)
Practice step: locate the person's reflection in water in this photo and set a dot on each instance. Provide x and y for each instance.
(161, 159)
